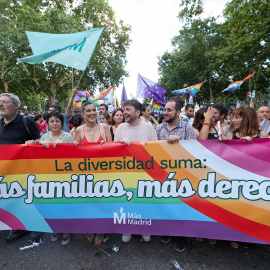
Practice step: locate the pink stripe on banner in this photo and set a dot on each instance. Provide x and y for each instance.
(250, 156)
(12, 221)
(204, 229)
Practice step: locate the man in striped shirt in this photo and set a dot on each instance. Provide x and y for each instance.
(173, 130)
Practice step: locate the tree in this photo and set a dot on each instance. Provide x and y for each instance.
(58, 16)
(247, 27)
(220, 52)
(194, 59)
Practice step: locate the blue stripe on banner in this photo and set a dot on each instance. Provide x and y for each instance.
(146, 211)
(28, 214)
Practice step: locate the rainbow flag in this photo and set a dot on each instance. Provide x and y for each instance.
(192, 188)
(157, 108)
(235, 85)
(192, 90)
(108, 93)
(116, 102)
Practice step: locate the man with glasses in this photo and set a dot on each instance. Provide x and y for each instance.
(16, 129)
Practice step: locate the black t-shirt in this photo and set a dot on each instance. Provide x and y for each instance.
(15, 132)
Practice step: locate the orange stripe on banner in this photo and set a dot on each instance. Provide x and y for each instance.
(68, 166)
(231, 210)
(141, 153)
(241, 208)
(229, 219)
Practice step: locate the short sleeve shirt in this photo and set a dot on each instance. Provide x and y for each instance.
(15, 132)
(67, 138)
(140, 133)
(183, 129)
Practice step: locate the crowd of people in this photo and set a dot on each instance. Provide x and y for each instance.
(133, 122)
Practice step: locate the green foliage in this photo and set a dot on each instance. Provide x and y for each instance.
(106, 67)
(220, 53)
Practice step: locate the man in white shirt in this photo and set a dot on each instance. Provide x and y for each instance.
(134, 130)
(263, 117)
(189, 112)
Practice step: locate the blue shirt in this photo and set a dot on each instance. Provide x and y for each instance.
(183, 129)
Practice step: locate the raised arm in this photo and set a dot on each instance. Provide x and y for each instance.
(70, 102)
(251, 104)
(206, 125)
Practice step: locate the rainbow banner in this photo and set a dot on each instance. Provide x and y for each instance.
(191, 90)
(204, 189)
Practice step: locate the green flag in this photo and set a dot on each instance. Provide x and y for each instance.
(72, 50)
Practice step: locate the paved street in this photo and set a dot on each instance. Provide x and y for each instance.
(81, 255)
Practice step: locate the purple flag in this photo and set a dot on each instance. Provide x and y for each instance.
(147, 88)
(124, 94)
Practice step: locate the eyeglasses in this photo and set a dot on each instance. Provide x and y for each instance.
(4, 102)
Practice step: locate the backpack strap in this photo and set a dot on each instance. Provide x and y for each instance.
(25, 122)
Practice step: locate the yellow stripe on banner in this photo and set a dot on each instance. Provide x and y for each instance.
(241, 207)
(129, 180)
(67, 166)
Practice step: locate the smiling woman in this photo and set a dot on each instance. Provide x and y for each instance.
(91, 131)
(245, 125)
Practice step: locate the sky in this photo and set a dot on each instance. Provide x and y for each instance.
(154, 23)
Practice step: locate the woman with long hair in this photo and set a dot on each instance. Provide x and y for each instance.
(204, 127)
(105, 118)
(146, 115)
(204, 124)
(117, 119)
(76, 121)
(245, 125)
(92, 132)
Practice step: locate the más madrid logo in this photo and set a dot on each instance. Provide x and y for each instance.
(130, 218)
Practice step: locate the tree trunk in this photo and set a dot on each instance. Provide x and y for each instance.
(258, 75)
(53, 93)
(6, 87)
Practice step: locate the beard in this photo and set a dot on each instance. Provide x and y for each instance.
(171, 119)
(7, 112)
(130, 118)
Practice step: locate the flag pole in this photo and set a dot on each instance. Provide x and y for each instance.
(72, 79)
(79, 80)
(114, 98)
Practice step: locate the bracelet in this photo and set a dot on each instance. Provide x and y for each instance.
(206, 124)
